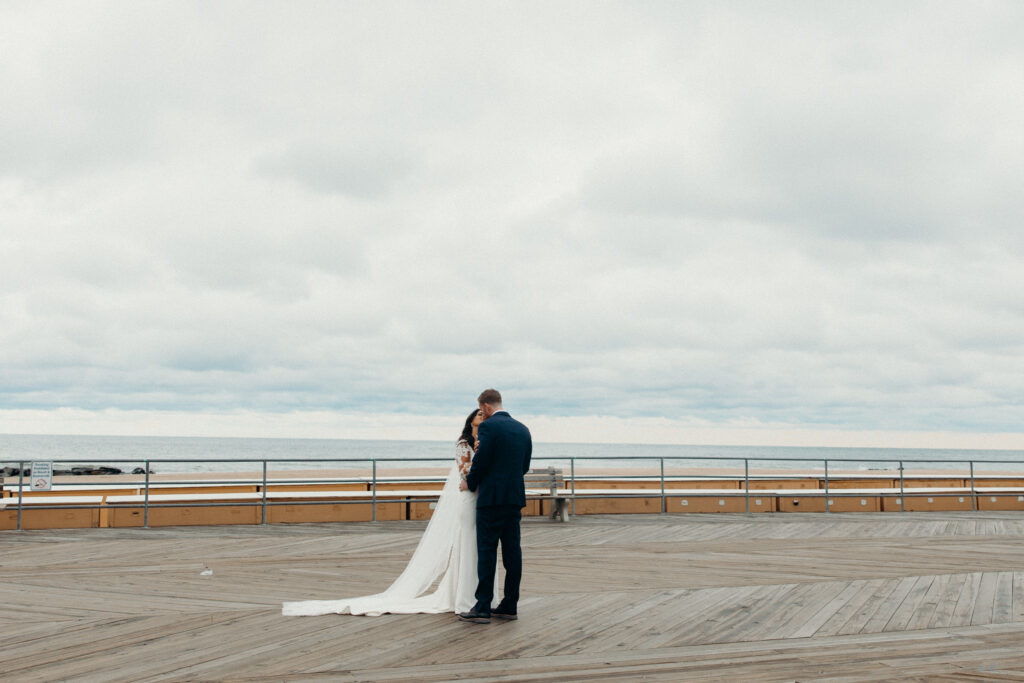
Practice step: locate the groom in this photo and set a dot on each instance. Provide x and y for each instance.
(501, 459)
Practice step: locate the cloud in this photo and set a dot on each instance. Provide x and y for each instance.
(716, 213)
(881, 131)
(370, 171)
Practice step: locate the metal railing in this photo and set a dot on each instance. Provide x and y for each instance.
(264, 483)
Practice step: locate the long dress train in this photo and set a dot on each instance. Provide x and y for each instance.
(446, 550)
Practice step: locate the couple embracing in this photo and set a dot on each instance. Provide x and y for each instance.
(479, 508)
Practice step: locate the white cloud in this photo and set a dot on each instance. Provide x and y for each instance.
(802, 216)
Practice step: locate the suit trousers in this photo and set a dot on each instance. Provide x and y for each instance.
(494, 524)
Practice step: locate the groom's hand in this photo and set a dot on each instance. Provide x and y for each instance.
(463, 486)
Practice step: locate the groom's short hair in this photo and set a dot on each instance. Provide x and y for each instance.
(491, 397)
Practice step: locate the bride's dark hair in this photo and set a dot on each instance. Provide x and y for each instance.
(467, 429)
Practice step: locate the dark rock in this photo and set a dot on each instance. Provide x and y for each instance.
(77, 470)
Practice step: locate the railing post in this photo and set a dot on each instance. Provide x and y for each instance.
(662, 461)
(572, 496)
(746, 486)
(553, 488)
(373, 501)
(21, 492)
(263, 505)
(974, 498)
(901, 486)
(828, 507)
(145, 508)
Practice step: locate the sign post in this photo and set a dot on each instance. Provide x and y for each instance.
(41, 476)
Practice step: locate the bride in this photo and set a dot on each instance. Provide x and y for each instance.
(446, 550)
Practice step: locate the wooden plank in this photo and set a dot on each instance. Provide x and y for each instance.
(854, 606)
(884, 611)
(662, 597)
(1018, 596)
(1002, 604)
(728, 615)
(965, 602)
(812, 625)
(759, 617)
(925, 610)
(904, 612)
(942, 617)
(985, 600)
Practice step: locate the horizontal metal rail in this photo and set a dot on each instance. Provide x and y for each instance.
(264, 486)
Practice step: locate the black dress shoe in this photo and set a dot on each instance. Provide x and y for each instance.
(475, 617)
(507, 616)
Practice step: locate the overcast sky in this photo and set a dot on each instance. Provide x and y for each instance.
(643, 221)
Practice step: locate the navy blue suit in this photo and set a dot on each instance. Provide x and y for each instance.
(496, 474)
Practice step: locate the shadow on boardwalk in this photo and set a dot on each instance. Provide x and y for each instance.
(916, 596)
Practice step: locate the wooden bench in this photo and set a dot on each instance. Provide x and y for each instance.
(552, 479)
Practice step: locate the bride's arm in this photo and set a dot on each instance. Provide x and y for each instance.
(463, 458)
(481, 459)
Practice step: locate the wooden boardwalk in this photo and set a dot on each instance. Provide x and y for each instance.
(782, 597)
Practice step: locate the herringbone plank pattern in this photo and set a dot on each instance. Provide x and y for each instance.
(916, 596)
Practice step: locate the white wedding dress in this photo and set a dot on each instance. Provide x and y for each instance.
(447, 551)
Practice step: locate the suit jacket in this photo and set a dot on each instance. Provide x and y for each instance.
(500, 462)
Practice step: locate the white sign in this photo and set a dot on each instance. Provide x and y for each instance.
(42, 476)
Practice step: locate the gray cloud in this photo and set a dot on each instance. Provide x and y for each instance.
(369, 172)
(712, 212)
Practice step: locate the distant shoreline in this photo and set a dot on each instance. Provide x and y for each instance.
(206, 459)
(433, 473)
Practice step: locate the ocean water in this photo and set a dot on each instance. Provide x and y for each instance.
(202, 454)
